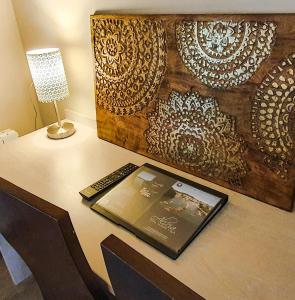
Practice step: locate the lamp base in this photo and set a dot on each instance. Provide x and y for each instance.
(60, 132)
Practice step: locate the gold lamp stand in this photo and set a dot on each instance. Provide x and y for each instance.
(60, 130)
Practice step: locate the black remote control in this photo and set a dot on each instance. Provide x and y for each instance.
(107, 181)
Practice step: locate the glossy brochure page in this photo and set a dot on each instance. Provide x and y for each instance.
(162, 207)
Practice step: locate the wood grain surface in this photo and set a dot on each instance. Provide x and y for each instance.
(212, 95)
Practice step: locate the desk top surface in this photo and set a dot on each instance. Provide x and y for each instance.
(246, 252)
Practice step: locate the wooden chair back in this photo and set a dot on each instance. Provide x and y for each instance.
(44, 237)
(134, 277)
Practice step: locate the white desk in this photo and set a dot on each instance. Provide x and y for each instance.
(246, 252)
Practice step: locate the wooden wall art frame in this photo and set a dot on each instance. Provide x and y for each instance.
(212, 95)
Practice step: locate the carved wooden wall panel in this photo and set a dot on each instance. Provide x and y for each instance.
(130, 62)
(273, 112)
(224, 54)
(192, 132)
(213, 95)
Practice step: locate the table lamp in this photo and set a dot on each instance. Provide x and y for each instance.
(51, 85)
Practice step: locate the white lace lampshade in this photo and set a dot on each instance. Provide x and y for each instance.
(50, 84)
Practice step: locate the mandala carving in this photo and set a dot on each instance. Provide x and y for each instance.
(190, 130)
(224, 54)
(130, 61)
(273, 116)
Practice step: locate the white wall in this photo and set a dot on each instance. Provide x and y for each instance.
(65, 24)
(16, 95)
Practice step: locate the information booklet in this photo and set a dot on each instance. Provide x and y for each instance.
(161, 208)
